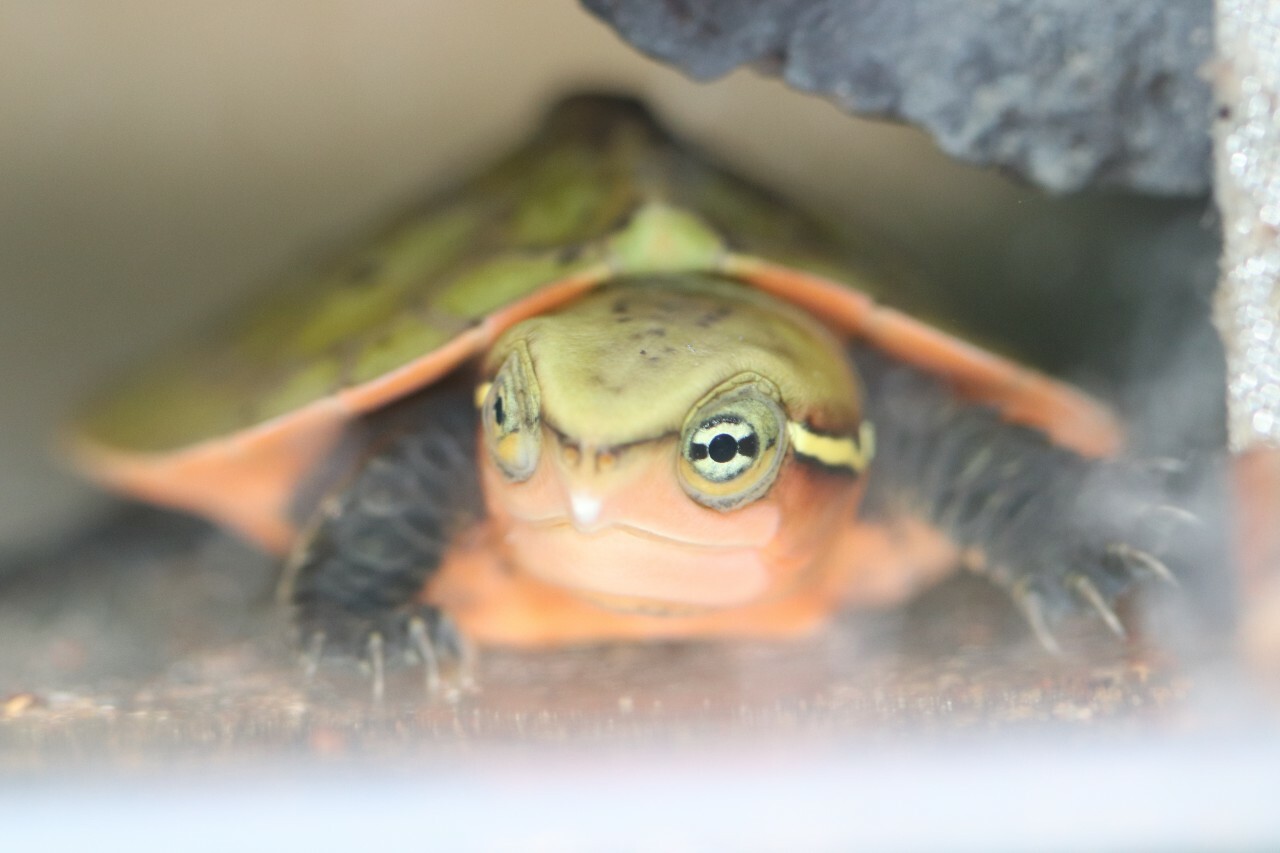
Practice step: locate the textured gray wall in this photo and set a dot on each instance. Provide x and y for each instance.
(1066, 93)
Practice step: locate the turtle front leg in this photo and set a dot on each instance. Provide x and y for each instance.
(374, 541)
(1058, 531)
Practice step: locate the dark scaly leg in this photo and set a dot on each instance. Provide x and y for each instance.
(1057, 531)
(381, 531)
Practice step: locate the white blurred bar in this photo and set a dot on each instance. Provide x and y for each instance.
(1072, 792)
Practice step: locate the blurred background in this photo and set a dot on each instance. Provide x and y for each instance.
(160, 161)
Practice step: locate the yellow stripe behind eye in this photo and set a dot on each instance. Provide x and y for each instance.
(482, 391)
(832, 450)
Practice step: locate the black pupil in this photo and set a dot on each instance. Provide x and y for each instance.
(723, 447)
(499, 416)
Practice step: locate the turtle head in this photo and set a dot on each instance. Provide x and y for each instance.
(670, 442)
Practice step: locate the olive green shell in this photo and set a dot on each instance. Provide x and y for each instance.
(600, 182)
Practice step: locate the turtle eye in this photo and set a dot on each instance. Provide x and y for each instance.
(511, 410)
(732, 446)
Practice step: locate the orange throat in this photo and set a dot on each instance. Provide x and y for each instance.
(649, 563)
(626, 568)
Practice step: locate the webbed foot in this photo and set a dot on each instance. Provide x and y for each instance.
(422, 637)
(1090, 546)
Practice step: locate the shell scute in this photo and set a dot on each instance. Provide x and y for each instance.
(600, 191)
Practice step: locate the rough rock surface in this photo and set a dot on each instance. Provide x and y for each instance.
(1064, 93)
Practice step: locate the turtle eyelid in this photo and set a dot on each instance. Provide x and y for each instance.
(568, 440)
(510, 411)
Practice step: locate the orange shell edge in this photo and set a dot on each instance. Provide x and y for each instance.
(246, 480)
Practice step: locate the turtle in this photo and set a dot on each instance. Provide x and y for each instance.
(607, 391)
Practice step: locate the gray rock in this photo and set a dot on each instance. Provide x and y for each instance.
(1067, 93)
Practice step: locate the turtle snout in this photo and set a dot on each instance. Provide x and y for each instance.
(584, 510)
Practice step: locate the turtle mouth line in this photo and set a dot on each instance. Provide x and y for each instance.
(557, 521)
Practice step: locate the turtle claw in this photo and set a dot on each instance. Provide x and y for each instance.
(312, 654)
(445, 643)
(420, 643)
(376, 657)
(465, 675)
(1170, 466)
(1032, 606)
(1178, 514)
(1087, 590)
(1139, 559)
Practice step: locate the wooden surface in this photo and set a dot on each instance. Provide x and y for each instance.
(153, 639)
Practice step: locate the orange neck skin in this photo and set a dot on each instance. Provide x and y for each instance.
(615, 536)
